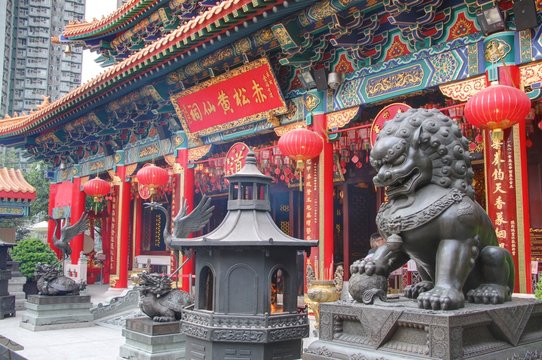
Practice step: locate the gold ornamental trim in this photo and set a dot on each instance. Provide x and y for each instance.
(198, 152)
(524, 272)
(463, 90)
(170, 160)
(496, 50)
(531, 73)
(115, 179)
(338, 119)
(130, 169)
(286, 128)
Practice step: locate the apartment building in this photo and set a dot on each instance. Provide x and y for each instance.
(33, 66)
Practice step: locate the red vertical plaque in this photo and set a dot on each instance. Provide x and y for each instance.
(501, 193)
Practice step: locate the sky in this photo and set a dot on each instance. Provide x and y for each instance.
(95, 9)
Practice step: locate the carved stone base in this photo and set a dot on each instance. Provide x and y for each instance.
(57, 312)
(212, 336)
(399, 330)
(146, 339)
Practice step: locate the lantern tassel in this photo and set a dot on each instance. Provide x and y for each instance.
(300, 165)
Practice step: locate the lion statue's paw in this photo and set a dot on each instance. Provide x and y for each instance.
(163, 318)
(413, 291)
(368, 266)
(440, 298)
(358, 266)
(489, 294)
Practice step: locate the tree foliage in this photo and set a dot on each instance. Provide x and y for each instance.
(29, 252)
(35, 177)
(538, 291)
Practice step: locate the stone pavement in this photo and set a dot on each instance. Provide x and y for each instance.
(99, 342)
(96, 342)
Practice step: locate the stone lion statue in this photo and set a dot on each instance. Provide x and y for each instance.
(51, 281)
(431, 217)
(158, 300)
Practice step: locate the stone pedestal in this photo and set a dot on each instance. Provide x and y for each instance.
(399, 330)
(146, 339)
(15, 285)
(57, 312)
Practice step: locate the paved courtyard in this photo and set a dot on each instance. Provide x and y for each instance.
(98, 342)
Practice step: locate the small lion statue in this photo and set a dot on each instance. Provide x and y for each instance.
(51, 282)
(430, 216)
(158, 300)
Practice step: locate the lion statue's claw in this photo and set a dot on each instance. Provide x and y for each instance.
(163, 318)
(413, 291)
(440, 298)
(489, 294)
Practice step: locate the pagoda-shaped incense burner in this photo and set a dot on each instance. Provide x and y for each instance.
(246, 276)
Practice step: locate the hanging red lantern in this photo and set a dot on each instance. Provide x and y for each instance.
(153, 177)
(497, 107)
(96, 188)
(301, 144)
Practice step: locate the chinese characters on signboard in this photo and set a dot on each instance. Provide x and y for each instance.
(238, 97)
(501, 192)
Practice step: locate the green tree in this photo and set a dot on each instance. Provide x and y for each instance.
(29, 252)
(538, 291)
(35, 177)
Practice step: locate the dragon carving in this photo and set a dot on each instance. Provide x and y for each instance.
(158, 300)
(51, 282)
(68, 232)
(422, 161)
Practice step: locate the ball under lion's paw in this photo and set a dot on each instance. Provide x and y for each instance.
(366, 288)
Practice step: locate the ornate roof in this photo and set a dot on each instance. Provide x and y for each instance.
(129, 13)
(175, 46)
(13, 186)
(126, 31)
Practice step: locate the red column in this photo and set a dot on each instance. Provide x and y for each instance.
(77, 210)
(53, 188)
(137, 226)
(184, 189)
(325, 206)
(106, 243)
(122, 228)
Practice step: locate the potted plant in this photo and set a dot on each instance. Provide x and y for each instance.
(28, 253)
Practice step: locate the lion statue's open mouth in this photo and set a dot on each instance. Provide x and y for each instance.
(404, 184)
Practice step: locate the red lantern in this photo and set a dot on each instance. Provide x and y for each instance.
(96, 188)
(153, 177)
(300, 145)
(497, 107)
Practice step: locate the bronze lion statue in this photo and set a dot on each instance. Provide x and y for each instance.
(430, 216)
